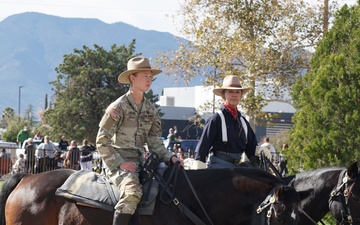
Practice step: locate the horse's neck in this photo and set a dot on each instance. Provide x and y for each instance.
(322, 182)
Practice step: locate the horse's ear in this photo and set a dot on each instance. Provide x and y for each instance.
(280, 193)
(352, 170)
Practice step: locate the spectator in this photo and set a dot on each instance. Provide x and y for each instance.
(37, 136)
(5, 162)
(72, 157)
(22, 136)
(19, 166)
(283, 160)
(271, 148)
(191, 152)
(172, 133)
(175, 147)
(180, 153)
(30, 156)
(40, 157)
(44, 155)
(50, 150)
(3, 154)
(86, 155)
(63, 144)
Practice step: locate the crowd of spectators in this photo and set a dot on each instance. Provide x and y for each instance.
(39, 154)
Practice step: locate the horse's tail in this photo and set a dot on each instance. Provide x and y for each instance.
(8, 186)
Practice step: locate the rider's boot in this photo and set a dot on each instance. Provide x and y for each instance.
(121, 218)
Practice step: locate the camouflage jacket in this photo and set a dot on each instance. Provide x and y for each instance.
(124, 130)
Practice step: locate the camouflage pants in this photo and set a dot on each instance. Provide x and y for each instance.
(130, 191)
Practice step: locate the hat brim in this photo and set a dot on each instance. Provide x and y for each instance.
(124, 76)
(219, 91)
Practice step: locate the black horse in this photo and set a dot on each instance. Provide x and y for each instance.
(223, 197)
(329, 186)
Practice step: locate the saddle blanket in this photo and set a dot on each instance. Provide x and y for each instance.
(94, 189)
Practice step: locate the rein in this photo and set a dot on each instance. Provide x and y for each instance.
(311, 219)
(170, 191)
(343, 191)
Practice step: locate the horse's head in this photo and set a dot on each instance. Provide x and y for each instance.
(285, 210)
(344, 203)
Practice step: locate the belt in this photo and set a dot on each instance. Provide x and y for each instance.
(226, 156)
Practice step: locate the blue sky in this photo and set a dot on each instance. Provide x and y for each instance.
(144, 14)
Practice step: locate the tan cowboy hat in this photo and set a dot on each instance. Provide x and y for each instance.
(135, 65)
(230, 82)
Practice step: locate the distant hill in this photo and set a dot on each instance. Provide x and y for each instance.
(33, 44)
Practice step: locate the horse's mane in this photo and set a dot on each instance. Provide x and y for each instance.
(314, 175)
(319, 171)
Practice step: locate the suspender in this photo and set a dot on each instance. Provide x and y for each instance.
(223, 126)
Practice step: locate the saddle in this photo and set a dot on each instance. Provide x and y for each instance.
(91, 189)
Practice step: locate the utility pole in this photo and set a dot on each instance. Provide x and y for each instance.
(20, 97)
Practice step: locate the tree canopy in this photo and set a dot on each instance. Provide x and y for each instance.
(85, 85)
(262, 42)
(327, 99)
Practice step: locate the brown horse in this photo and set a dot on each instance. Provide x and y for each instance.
(227, 196)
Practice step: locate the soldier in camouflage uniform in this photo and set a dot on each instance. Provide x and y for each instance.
(127, 125)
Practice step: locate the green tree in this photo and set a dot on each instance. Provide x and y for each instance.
(29, 114)
(260, 41)
(86, 84)
(326, 124)
(46, 101)
(15, 124)
(7, 114)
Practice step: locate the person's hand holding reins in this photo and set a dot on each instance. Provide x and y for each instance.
(176, 159)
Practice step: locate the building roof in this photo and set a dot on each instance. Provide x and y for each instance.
(177, 113)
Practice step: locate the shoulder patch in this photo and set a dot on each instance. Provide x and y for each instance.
(111, 110)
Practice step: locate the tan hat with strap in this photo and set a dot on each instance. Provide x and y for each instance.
(231, 82)
(135, 65)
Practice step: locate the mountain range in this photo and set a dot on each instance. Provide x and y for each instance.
(33, 45)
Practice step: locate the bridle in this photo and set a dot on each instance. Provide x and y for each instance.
(269, 203)
(343, 190)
